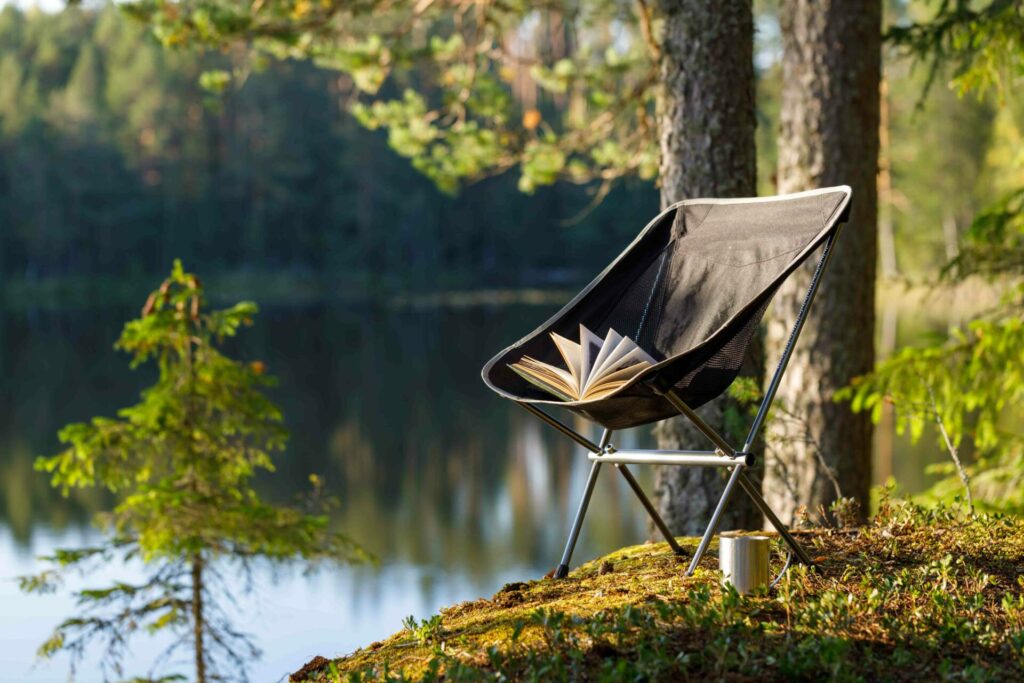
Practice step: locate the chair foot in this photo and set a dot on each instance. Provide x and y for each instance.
(561, 571)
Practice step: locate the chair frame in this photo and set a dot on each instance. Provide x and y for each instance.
(724, 455)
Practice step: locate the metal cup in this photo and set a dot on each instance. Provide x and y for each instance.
(743, 561)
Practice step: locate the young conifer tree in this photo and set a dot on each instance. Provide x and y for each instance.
(181, 464)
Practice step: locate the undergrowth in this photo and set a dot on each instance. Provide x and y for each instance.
(918, 594)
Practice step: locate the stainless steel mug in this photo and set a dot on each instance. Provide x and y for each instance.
(743, 561)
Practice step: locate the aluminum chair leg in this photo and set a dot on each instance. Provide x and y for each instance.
(709, 533)
(738, 475)
(577, 523)
(763, 506)
(651, 510)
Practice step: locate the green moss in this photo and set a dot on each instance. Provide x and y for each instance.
(917, 594)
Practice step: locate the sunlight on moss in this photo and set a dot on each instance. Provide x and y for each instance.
(917, 594)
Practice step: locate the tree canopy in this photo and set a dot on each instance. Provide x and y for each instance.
(441, 77)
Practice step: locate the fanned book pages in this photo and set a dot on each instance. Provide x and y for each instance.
(594, 367)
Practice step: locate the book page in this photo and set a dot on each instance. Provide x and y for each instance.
(573, 358)
(624, 356)
(596, 367)
(590, 347)
(615, 379)
(540, 384)
(555, 374)
(612, 359)
(547, 377)
(607, 346)
(604, 390)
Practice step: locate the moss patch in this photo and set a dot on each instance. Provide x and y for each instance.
(916, 595)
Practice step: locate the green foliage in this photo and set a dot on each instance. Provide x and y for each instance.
(501, 86)
(994, 247)
(426, 631)
(181, 462)
(973, 385)
(983, 41)
(918, 594)
(970, 385)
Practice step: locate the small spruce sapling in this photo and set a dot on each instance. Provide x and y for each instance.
(181, 464)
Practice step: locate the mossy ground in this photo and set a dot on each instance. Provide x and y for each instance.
(915, 595)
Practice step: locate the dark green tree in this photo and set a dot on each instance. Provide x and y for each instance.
(181, 463)
(108, 172)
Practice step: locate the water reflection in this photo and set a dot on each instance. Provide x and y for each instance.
(456, 490)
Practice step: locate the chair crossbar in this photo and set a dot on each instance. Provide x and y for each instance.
(563, 568)
(724, 455)
(682, 458)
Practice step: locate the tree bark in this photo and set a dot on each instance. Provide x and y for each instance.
(706, 122)
(197, 617)
(829, 136)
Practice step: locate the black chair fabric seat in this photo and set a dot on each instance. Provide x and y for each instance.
(691, 290)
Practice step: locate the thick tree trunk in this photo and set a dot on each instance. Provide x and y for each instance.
(706, 127)
(197, 618)
(829, 136)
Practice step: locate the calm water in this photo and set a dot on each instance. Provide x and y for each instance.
(456, 491)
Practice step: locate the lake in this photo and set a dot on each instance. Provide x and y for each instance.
(455, 490)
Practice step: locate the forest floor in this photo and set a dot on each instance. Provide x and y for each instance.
(917, 594)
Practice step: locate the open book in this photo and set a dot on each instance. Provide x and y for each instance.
(595, 367)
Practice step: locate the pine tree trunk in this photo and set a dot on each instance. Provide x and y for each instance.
(197, 617)
(829, 136)
(706, 128)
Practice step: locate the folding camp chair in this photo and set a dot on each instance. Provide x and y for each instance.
(690, 290)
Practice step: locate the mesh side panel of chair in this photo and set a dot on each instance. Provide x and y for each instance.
(713, 376)
(637, 312)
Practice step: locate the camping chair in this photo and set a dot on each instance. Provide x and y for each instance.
(691, 290)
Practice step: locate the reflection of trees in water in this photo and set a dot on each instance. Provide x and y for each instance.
(431, 467)
(435, 468)
(56, 368)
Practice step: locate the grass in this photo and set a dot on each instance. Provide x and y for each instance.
(918, 594)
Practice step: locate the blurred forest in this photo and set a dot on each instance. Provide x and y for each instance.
(114, 160)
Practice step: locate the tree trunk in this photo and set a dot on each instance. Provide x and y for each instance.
(197, 617)
(829, 136)
(706, 128)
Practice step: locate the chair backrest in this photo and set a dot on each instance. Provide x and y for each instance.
(695, 284)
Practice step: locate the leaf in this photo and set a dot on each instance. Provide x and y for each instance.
(215, 81)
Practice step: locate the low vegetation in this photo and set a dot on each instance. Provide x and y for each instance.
(918, 594)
